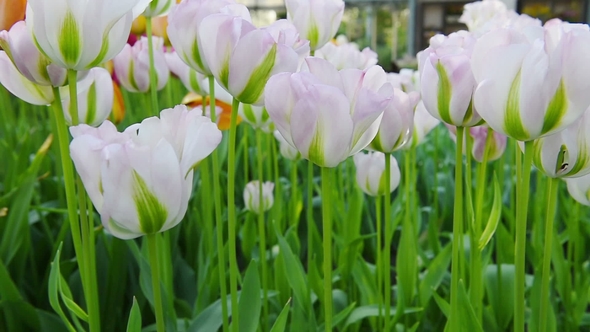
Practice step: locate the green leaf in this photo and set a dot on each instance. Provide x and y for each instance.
(435, 273)
(468, 321)
(499, 284)
(372, 311)
(281, 322)
(54, 280)
(443, 305)
(134, 322)
(295, 275)
(250, 305)
(494, 217)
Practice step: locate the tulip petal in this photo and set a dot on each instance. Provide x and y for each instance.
(20, 86)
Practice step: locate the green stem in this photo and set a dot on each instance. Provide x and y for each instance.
(388, 237)
(205, 167)
(551, 204)
(309, 213)
(73, 87)
(294, 220)
(379, 264)
(154, 265)
(218, 215)
(153, 75)
(457, 233)
(262, 231)
(327, 225)
(231, 201)
(476, 269)
(522, 203)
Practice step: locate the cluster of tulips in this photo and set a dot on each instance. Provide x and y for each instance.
(324, 101)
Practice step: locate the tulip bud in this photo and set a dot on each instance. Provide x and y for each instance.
(347, 55)
(565, 154)
(447, 83)
(95, 98)
(534, 81)
(140, 180)
(83, 35)
(184, 26)
(316, 21)
(257, 117)
(371, 176)
(286, 149)
(133, 68)
(252, 196)
(326, 114)
(20, 47)
(397, 124)
(579, 189)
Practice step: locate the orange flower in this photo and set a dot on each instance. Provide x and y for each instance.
(118, 112)
(193, 100)
(11, 11)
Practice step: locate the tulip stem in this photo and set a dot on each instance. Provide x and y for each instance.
(388, 237)
(522, 203)
(88, 269)
(476, 269)
(309, 214)
(231, 201)
(379, 263)
(154, 265)
(262, 230)
(153, 76)
(218, 215)
(294, 220)
(551, 204)
(457, 233)
(327, 225)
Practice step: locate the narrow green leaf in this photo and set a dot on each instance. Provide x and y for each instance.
(494, 217)
(468, 320)
(281, 322)
(437, 269)
(53, 285)
(295, 275)
(134, 322)
(372, 311)
(250, 305)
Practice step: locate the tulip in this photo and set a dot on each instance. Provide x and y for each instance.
(479, 134)
(11, 11)
(370, 173)
(477, 14)
(184, 26)
(407, 80)
(326, 114)
(20, 47)
(257, 117)
(532, 82)
(447, 83)
(579, 189)
(133, 69)
(317, 21)
(20, 86)
(243, 58)
(192, 80)
(286, 149)
(565, 154)
(397, 124)
(424, 123)
(140, 180)
(223, 110)
(158, 8)
(85, 35)
(252, 196)
(347, 55)
(95, 98)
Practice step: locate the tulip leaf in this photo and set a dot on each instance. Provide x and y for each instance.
(556, 109)
(53, 285)
(499, 284)
(468, 321)
(513, 123)
(281, 322)
(434, 275)
(494, 218)
(250, 305)
(134, 322)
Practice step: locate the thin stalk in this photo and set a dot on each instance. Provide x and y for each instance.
(231, 202)
(218, 215)
(457, 233)
(294, 220)
(522, 203)
(476, 269)
(153, 76)
(88, 271)
(245, 134)
(205, 167)
(549, 218)
(379, 263)
(327, 225)
(262, 231)
(388, 237)
(154, 265)
(309, 213)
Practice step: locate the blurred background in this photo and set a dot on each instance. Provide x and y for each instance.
(398, 29)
